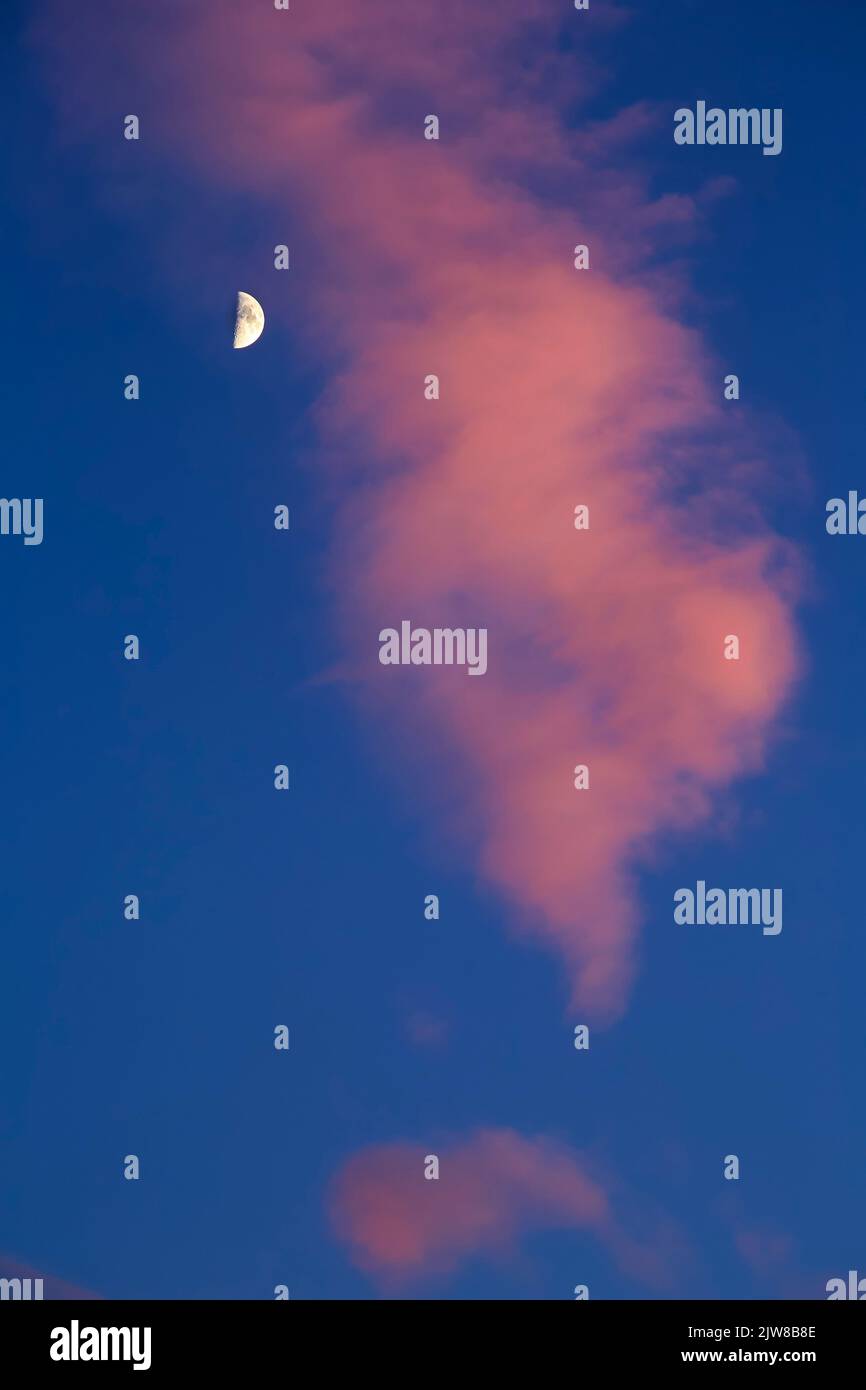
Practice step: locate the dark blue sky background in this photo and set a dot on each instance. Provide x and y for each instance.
(155, 777)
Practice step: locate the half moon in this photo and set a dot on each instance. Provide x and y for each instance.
(249, 320)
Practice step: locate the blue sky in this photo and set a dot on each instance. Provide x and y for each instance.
(155, 778)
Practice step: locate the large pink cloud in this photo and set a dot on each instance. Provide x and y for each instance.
(494, 1187)
(558, 388)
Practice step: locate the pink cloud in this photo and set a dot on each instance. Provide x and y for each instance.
(557, 388)
(494, 1187)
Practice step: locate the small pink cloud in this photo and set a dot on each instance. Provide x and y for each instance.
(493, 1187)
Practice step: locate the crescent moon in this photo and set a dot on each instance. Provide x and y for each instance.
(249, 320)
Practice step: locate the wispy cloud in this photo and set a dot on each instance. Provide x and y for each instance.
(495, 1187)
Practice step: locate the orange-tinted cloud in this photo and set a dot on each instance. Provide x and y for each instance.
(558, 388)
(493, 1187)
